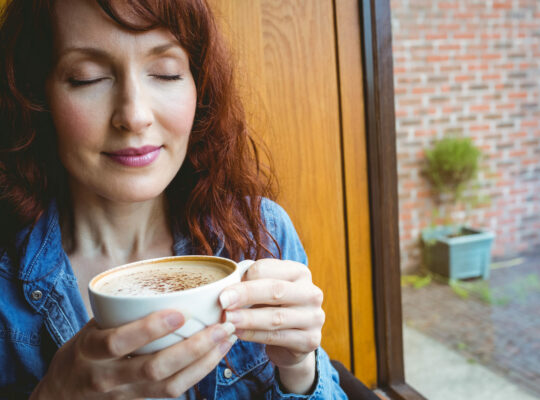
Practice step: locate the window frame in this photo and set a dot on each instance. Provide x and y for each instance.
(382, 175)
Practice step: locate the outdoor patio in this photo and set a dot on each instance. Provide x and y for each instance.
(495, 323)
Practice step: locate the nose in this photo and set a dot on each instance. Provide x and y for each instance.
(132, 113)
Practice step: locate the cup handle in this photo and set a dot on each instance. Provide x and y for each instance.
(243, 266)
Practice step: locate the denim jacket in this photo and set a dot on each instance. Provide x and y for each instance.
(41, 309)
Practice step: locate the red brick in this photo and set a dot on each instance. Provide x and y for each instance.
(451, 109)
(486, 147)
(409, 102)
(423, 90)
(506, 5)
(424, 133)
(445, 88)
(478, 67)
(463, 78)
(437, 58)
(480, 107)
(464, 15)
(518, 135)
(464, 35)
(491, 36)
(477, 128)
(493, 56)
(528, 25)
(532, 123)
(448, 47)
(435, 36)
(490, 77)
(517, 95)
(407, 205)
(466, 57)
(494, 213)
(510, 106)
(410, 185)
(518, 153)
(450, 68)
(448, 5)
(449, 26)
(506, 66)
(477, 47)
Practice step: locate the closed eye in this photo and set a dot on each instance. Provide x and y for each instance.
(168, 77)
(84, 82)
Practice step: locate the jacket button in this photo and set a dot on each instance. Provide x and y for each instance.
(227, 373)
(36, 294)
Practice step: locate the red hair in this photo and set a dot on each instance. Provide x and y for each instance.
(215, 197)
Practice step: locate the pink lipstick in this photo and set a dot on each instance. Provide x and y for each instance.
(135, 157)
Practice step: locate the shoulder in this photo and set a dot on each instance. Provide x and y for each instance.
(279, 225)
(274, 216)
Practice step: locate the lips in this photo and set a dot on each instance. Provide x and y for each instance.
(135, 157)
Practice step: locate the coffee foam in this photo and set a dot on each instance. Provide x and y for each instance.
(148, 279)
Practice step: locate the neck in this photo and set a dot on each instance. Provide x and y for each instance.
(119, 232)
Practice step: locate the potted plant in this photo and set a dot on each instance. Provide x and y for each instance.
(454, 250)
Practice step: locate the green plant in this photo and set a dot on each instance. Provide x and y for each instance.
(452, 165)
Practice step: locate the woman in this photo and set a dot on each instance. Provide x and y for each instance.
(122, 139)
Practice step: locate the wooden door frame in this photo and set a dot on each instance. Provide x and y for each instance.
(382, 175)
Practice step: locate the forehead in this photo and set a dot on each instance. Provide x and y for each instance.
(83, 23)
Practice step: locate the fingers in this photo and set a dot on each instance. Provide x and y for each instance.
(121, 341)
(293, 339)
(177, 384)
(270, 292)
(278, 269)
(154, 370)
(169, 361)
(273, 318)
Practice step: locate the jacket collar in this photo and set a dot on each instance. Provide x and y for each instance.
(40, 246)
(43, 243)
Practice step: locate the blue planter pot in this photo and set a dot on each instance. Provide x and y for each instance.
(460, 257)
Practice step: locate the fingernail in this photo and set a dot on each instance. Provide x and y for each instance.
(233, 317)
(224, 330)
(228, 298)
(227, 344)
(174, 320)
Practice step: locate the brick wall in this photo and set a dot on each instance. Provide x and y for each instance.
(470, 68)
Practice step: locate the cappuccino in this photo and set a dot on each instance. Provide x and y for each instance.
(154, 279)
(132, 291)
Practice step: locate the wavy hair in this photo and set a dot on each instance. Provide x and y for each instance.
(216, 196)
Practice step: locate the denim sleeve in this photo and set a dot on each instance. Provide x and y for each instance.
(281, 227)
(327, 386)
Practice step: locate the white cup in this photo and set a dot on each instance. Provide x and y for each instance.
(199, 305)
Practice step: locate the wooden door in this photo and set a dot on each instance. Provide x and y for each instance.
(309, 110)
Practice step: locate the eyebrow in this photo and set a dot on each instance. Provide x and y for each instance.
(100, 53)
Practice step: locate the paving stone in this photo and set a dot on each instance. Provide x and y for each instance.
(502, 334)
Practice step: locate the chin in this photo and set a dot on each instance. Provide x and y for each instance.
(132, 194)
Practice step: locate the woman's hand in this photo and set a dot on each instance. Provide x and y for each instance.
(95, 364)
(285, 314)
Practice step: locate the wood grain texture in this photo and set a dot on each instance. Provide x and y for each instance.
(356, 187)
(286, 53)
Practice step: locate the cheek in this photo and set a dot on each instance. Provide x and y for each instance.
(177, 113)
(75, 121)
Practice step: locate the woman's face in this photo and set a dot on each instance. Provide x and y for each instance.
(122, 103)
